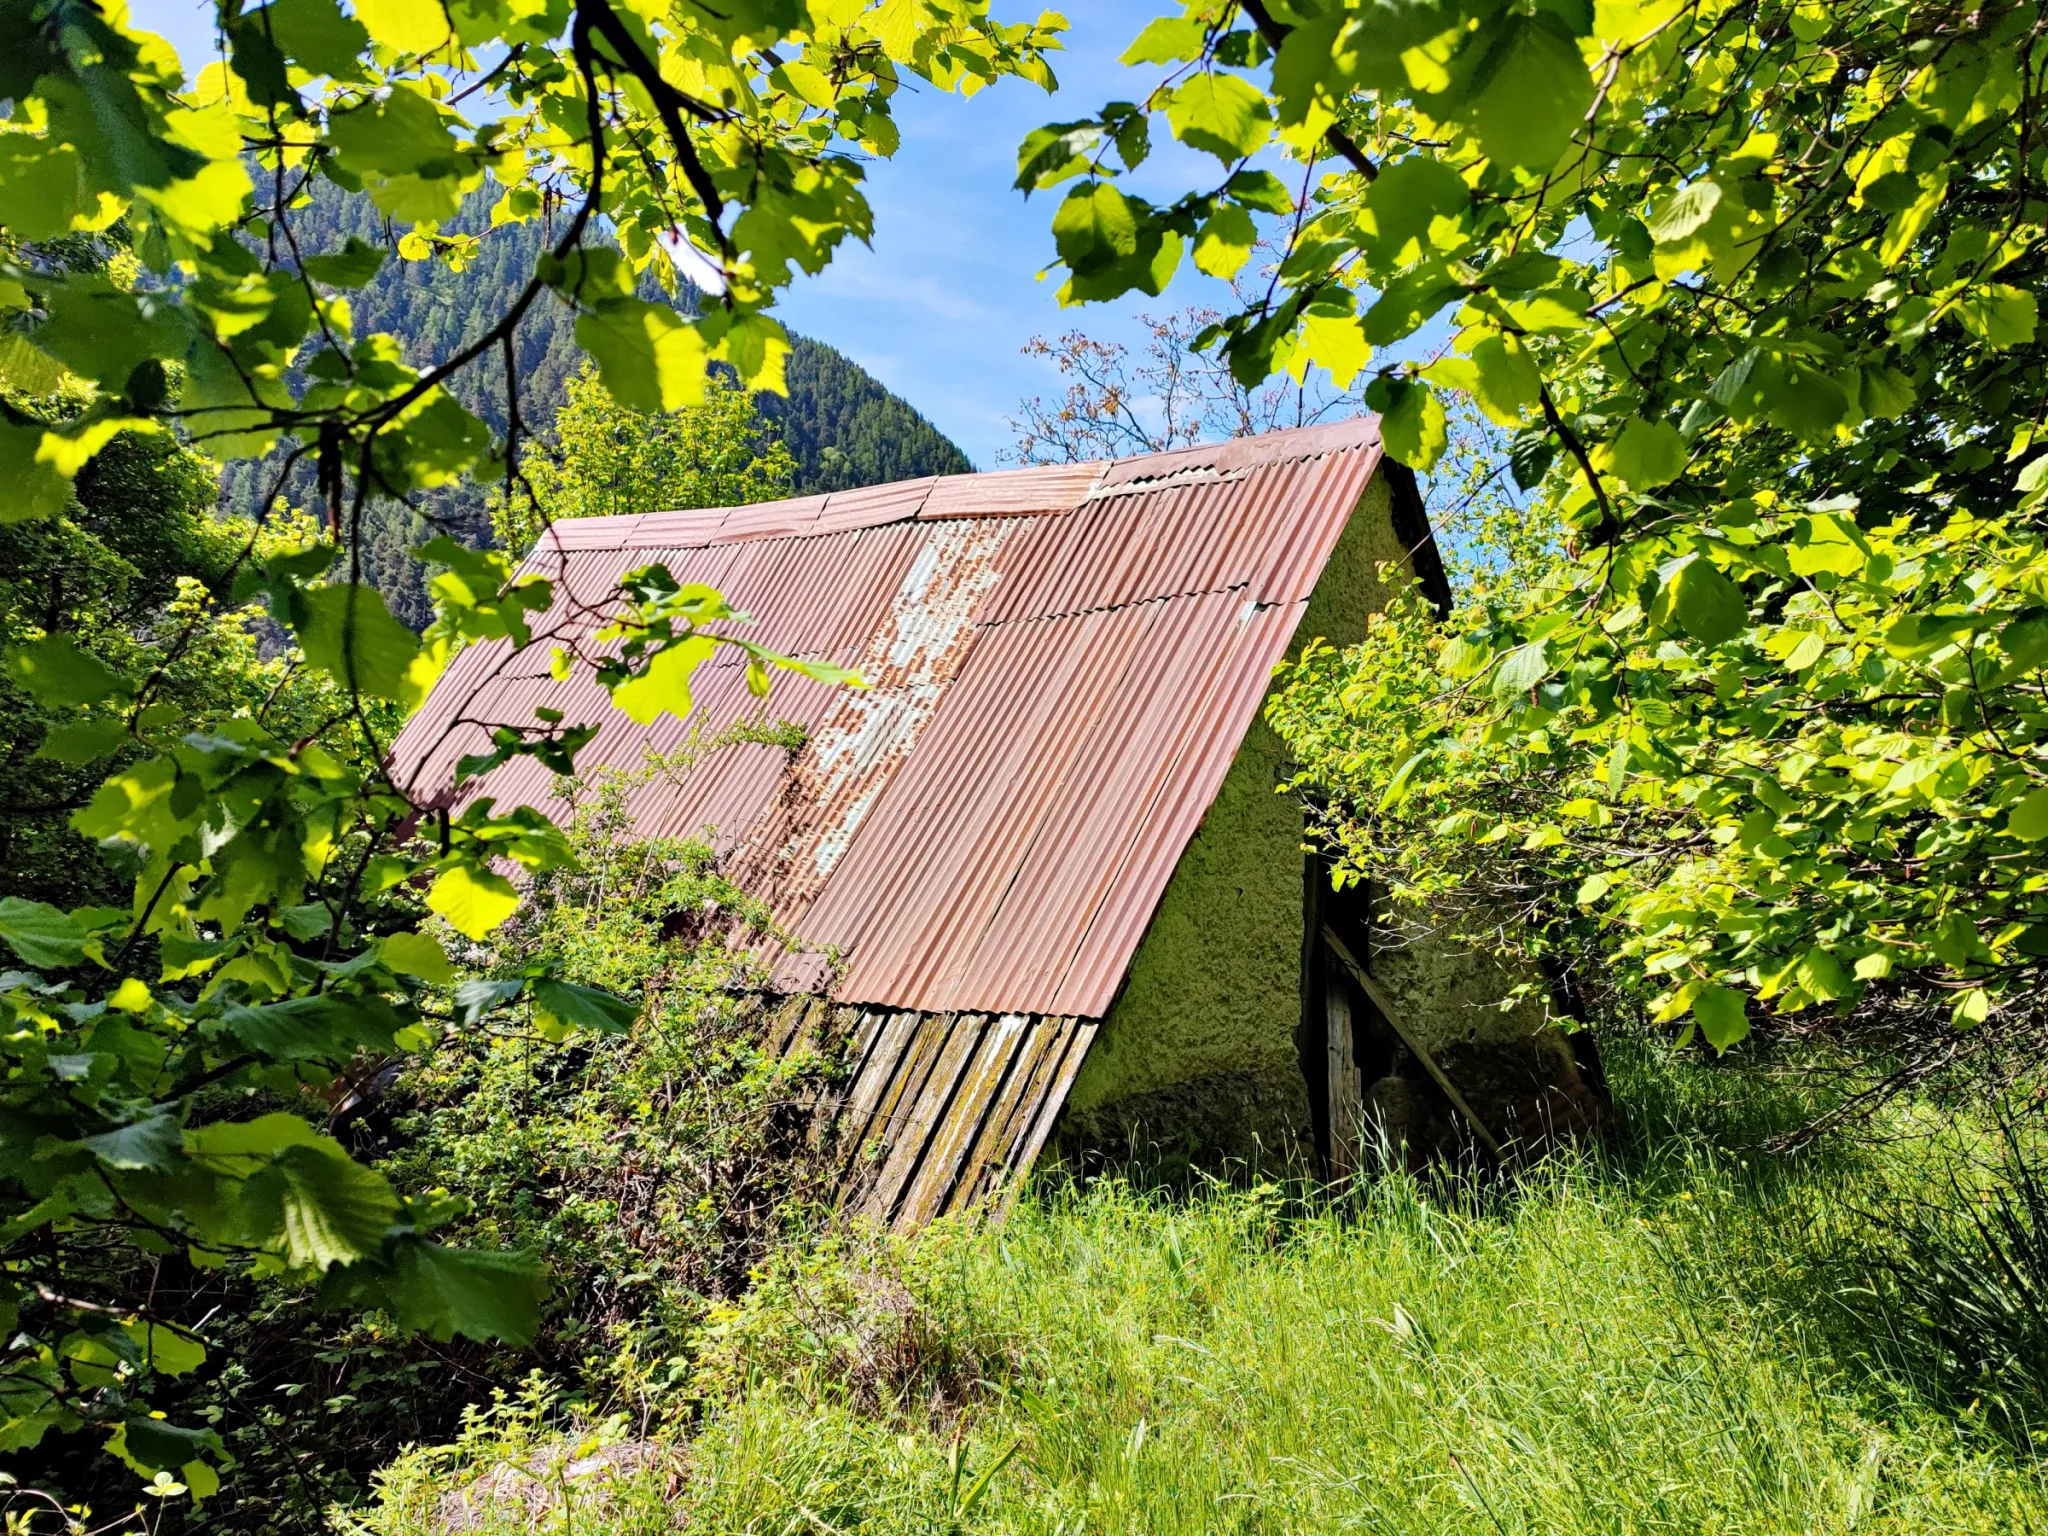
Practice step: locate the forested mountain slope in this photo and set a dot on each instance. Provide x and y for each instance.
(842, 427)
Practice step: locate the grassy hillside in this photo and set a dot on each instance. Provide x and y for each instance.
(842, 427)
(1682, 1333)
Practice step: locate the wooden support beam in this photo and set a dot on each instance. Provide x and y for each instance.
(1385, 1004)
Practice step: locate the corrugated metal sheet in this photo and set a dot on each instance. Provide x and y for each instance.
(1063, 661)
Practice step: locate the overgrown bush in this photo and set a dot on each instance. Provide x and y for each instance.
(526, 1463)
(651, 1171)
(860, 1317)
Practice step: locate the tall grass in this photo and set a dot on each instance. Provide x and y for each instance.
(1674, 1335)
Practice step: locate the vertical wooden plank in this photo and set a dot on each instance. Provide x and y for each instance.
(958, 1129)
(1345, 1090)
(923, 1103)
(873, 1087)
(783, 1019)
(857, 1030)
(1008, 1116)
(1080, 1035)
(929, 1037)
(810, 1025)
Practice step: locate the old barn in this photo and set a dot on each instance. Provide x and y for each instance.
(1040, 867)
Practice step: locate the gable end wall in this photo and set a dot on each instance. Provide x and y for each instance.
(1199, 1052)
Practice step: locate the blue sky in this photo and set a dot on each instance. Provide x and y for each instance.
(941, 305)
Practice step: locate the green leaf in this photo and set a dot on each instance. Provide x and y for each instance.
(1094, 226)
(43, 935)
(1530, 91)
(474, 899)
(1225, 242)
(1530, 455)
(1402, 203)
(584, 1007)
(315, 34)
(1826, 543)
(1051, 154)
(136, 805)
(1221, 114)
(259, 1139)
(432, 444)
(481, 1294)
(319, 1206)
(307, 921)
(1822, 975)
(167, 1351)
(1708, 604)
(55, 671)
(153, 1445)
(186, 958)
(1414, 427)
(1464, 658)
(1499, 373)
(30, 485)
(1261, 191)
(83, 741)
(758, 348)
(325, 1027)
(157, 1140)
(350, 267)
(348, 633)
(651, 359)
(1722, 1014)
(1166, 40)
(1397, 787)
(416, 954)
(474, 999)
(1410, 300)
(2028, 819)
(28, 368)
(1684, 213)
(1336, 342)
(43, 186)
(410, 26)
(1520, 670)
(1648, 454)
(1999, 315)
(664, 687)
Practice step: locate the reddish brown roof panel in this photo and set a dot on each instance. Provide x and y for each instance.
(1062, 662)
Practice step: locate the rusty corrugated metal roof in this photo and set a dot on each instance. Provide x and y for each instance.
(1063, 661)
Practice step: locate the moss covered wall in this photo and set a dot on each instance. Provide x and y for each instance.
(1199, 1047)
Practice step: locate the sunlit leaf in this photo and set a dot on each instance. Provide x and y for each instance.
(475, 900)
(651, 358)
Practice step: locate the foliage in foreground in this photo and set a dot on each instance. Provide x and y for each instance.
(1755, 288)
(163, 1054)
(1674, 1335)
(654, 1168)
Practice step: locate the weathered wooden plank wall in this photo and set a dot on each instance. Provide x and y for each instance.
(937, 1111)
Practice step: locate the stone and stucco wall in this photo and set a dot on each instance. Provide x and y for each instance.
(1199, 1051)
(1200, 1056)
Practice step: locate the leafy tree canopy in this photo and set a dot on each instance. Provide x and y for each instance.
(285, 906)
(1755, 289)
(609, 460)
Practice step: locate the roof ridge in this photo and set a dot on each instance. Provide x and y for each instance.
(1018, 491)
